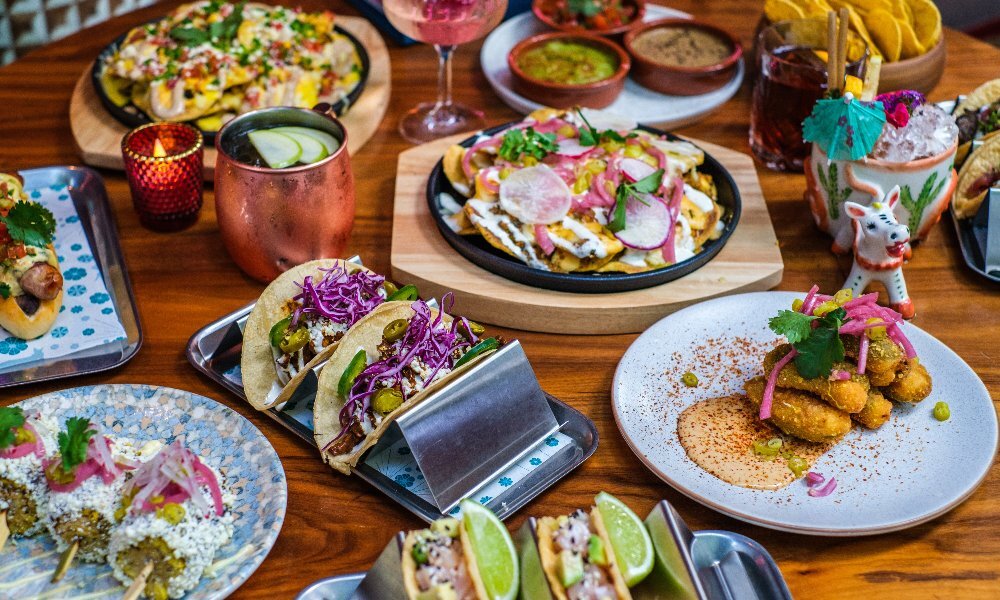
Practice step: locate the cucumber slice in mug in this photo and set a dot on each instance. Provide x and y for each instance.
(312, 149)
(329, 142)
(277, 150)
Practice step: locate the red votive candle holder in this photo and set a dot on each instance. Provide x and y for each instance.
(163, 162)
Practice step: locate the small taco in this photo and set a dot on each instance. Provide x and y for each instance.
(977, 117)
(384, 365)
(447, 561)
(979, 173)
(299, 319)
(31, 284)
(577, 557)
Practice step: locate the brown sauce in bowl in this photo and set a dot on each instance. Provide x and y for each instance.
(688, 47)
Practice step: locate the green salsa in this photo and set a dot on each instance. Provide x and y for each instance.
(567, 63)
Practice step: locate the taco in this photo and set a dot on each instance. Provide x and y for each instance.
(31, 284)
(977, 117)
(384, 365)
(298, 321)
(979, 173)
(577, 557)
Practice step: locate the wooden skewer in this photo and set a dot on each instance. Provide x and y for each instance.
(831, 51)
(65, 561)
(4, 529)
(842, 49)
(139, 583)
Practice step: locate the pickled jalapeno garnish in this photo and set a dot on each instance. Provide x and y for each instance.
(386, 400)
(294, 341)
(689, 379)
(395, 330)
(407, 292)
(354, 368)
(941, 411)
(278, 330)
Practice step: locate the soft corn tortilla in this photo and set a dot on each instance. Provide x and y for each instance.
(409, 565)
(984, 95)
(549, 556)
(983, 160)
(257, 361)
(365, 335)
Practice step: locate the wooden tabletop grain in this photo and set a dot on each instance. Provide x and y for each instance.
(337, 524)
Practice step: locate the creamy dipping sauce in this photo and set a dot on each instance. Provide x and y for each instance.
(689, 47)
(718, 435)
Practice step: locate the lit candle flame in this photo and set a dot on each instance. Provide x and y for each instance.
(158, 150)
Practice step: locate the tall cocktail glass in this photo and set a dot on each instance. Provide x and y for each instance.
(791, 58)
(444, 24)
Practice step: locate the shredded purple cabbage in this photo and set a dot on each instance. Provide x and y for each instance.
(340, 296)
(427, 339)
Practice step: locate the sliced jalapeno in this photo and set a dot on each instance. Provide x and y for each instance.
(278, 330)
(389, 287)
(395, 330)
(386, 400)
(481, 348)
(473, 330)
(294, 341)
(407, 292)
(354, 368)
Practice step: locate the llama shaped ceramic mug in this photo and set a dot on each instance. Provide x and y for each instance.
(926, 186)
(880, 244)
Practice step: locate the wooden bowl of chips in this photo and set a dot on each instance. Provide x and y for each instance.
(919, 73)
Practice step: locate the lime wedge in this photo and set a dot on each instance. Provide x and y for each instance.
(629, 538)
(329, 142)
(277, 150)
(493, 549)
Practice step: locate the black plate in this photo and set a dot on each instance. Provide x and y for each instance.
(477, 250)
(131, 116)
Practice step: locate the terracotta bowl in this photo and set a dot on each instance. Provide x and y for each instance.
(682, 81)
(919, 73)
(597, 94)
(538, 7)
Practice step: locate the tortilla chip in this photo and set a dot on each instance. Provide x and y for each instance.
(257, 360)
(984, 160)
(985, 94)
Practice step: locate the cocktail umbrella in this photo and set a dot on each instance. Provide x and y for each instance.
(845, 128)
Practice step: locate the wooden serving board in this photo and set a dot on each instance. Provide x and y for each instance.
(99, 136)
(750, 261)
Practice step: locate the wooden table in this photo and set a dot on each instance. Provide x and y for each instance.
(337, 524)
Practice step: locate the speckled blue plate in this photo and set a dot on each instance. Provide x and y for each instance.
(222, 437)
(909, 471)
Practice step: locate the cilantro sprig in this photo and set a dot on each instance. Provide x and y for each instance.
(647, 185)
(219, 33)
(816, 339)
(11, 418)
(4, 290)
(587, 8)
(73, 442)
(589, 136)
(30, 223)
(517, 143)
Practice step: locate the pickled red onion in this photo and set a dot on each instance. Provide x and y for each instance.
(543, 239)
(863, 353)
(176, 474)
(826, 490)
(21, 450)
(813, 478)
(772, 382)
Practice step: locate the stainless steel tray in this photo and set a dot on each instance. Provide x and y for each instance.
(86, 189)
(215, 351)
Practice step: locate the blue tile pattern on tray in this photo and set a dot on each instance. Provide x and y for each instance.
(223, 438)
(85, 293)
(397, 463)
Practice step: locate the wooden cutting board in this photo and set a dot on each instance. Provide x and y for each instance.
(99, 136)
(750, 261)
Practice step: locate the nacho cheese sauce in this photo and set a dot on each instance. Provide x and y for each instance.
(688, 47)
(718, 435)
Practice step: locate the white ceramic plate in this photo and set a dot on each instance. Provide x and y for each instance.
(909, 471)
(220, 435)
(643, 105)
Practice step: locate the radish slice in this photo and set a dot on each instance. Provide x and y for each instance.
(646, 223)
(602, 119)
(535, 195)
(277, 150)
(573, 148)
(636, 169)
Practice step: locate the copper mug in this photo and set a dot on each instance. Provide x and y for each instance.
(274, 219)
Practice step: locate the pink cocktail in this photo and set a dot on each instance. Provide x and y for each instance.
(444, 24)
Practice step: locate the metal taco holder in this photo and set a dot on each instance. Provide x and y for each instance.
(702, 565)
(462, 436)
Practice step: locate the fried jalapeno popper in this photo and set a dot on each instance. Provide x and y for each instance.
(26, 440)
(86, 479)
(175, 515)
(846, 359)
